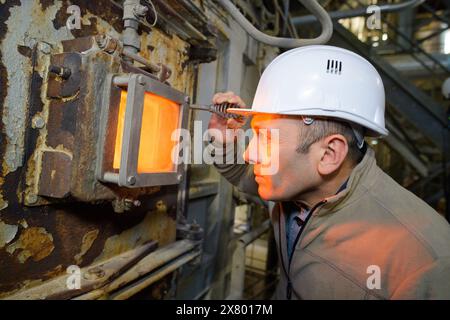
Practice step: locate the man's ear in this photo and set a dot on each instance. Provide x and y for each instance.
(334, 150)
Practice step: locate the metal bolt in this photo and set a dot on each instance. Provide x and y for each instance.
(37, 122)
(308, 120)
(137, 203)
(140, 11)
(31, 198)
(131, 202)
(62, 72)
(131, 180)
(141, 80)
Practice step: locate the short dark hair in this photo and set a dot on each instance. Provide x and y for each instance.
(322, 128)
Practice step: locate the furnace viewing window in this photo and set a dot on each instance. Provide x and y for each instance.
(139, 118)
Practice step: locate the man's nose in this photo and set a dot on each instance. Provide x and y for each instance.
(251, 153)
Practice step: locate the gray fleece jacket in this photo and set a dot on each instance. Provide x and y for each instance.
(372, 240)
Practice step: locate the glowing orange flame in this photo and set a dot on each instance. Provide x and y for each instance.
(160, 118)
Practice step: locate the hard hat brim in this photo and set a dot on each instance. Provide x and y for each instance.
(372, 130)
(242, 111)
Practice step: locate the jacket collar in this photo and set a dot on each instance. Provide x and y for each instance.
(361, 178)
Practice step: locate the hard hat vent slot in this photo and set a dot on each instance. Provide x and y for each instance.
(334, 66)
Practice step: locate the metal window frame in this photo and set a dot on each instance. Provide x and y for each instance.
(127, 175)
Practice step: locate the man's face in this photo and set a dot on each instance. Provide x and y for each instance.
(276, 138)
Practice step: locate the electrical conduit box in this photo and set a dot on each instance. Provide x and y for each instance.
(106, 129)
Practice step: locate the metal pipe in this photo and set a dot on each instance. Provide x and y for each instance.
(203, 189)
(421, 183)
(433, 34)
(415, 46)
(93, 276)
(111, 177)
(286, 4)
(409, 65)
(311, 5)
(153, 67)
(441, 18)
(186, 24)
(132, 12)
(248, 238)
(399, 145)
(148, 264)
(238, 271)
(143, 283)
(111, 45)
(336, 15)
(291, 27)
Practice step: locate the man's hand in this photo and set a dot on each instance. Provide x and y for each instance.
(222, 124)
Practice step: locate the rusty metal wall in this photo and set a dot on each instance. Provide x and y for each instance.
(207, 52)
(38, 243)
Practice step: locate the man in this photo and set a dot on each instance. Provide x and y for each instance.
(344, 229)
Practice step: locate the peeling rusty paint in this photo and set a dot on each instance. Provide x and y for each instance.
(38, 106)
(23, 223)
(3, 202)
(46, 3)
(48, 238)
(96, 17)
(20, 31)
(86, 244)
(25, 51)
(35, 243)
(156, 225)
(7, 233)
(161, 206)
(172, 51)
(25, 285)
(4, 16)
(58, 270)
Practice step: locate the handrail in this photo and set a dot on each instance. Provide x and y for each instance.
(415, 46)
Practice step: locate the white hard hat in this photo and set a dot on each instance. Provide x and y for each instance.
(322, 81)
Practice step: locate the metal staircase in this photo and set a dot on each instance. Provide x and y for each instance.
(419, 125)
